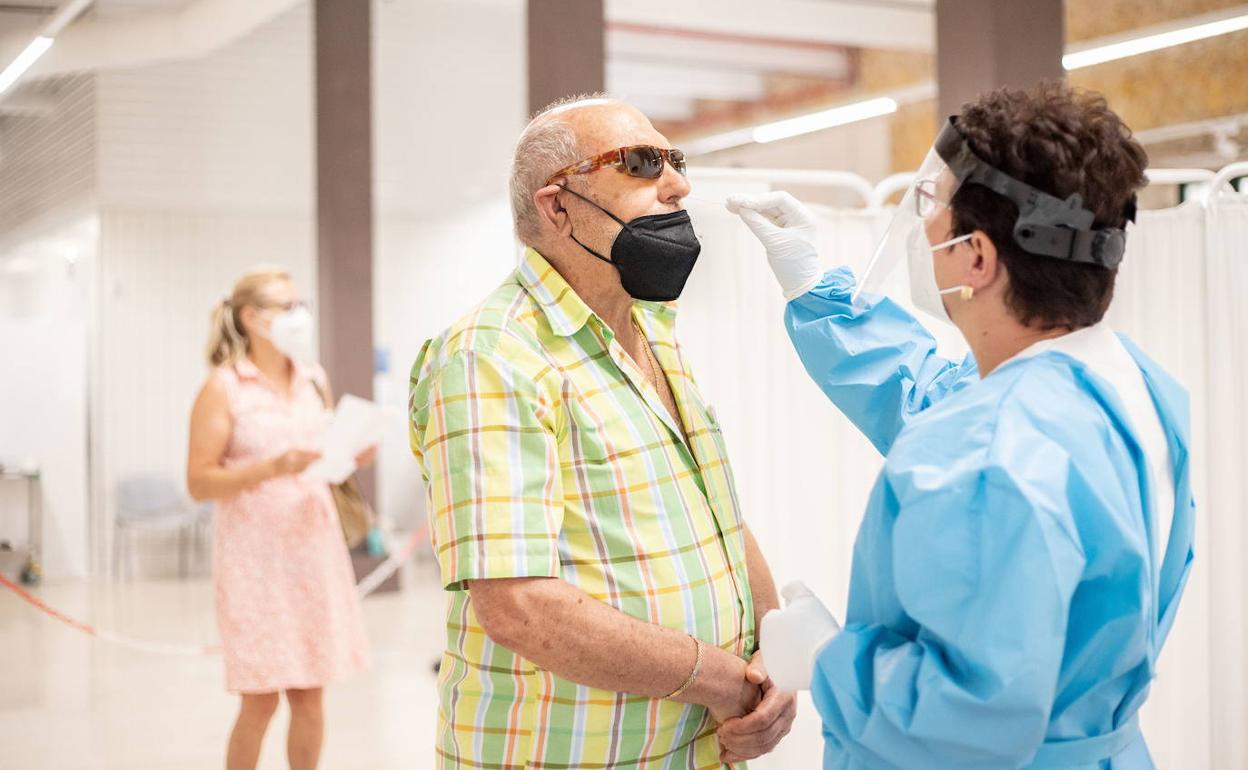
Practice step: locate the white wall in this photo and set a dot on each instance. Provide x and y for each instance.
(47, 160)
(160, 274)
(47, 173)
(195, 170)
(449, 100)
(231, 131)
(206, 168)
(428, 274)
(44, 293)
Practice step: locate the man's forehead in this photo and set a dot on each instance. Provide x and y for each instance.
(605, 126)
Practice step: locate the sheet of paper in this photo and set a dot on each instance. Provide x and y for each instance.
(356, 425)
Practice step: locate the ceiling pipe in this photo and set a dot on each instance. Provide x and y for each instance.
(36, 48)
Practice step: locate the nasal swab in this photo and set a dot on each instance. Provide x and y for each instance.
(700, 199)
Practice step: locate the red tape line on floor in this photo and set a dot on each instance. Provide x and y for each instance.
(366, 586)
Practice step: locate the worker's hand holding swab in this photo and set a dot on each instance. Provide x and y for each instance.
(786, 229)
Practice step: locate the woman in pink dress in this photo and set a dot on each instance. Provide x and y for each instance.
(285, 594)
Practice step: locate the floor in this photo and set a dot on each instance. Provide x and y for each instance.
(68, 702)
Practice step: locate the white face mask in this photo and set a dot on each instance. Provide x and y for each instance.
(291, 333)
(924, 292)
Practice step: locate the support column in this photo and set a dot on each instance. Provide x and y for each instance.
(344, 197)
(982, 45)
(567, 49)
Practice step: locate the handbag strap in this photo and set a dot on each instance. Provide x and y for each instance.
(321, 392)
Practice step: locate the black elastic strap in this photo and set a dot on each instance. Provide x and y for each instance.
(600, 208)
(621, 222)
(1047, 226)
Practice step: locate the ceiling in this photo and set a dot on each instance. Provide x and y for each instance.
(20, 20)
(699, 65)
(690, 65)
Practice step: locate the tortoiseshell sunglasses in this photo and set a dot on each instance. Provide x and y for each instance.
(642, 161)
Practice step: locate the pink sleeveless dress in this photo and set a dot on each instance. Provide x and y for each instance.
(284, 589)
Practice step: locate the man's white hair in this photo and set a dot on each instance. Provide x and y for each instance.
(546, 145)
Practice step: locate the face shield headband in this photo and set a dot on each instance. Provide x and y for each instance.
(1046, 226)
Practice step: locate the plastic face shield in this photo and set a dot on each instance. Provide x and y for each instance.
(1047, 226)
(930, 193)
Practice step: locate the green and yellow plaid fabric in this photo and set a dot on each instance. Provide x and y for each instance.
(548, 454)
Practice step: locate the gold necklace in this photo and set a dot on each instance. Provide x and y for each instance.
(651, 361)
(648, 354)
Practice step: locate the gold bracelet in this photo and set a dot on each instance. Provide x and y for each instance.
(697, 669)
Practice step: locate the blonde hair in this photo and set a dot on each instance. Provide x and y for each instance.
(228, 341)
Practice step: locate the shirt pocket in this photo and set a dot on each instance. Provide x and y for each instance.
(709, 442)
(603, 433)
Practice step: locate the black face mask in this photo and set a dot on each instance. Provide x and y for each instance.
(654, 253)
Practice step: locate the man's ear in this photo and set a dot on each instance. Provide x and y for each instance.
(551, 210)
(986, 265)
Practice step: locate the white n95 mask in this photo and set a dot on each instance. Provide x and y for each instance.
(920, 255)
(291, 333)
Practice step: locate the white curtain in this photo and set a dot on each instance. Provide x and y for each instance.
(1225, 457)
(1160, 301)
(804, 472)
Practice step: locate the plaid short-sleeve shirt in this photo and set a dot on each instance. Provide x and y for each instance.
(548, 454)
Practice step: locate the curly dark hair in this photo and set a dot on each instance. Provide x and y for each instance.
(1062, 141)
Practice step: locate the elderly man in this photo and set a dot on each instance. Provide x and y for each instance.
(604, 589)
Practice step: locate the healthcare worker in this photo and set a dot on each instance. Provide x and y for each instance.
(1025, 546)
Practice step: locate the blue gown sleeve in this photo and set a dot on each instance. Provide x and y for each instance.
(985, 564)
(873, 359)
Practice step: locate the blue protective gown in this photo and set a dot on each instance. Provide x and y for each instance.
(1006, 608)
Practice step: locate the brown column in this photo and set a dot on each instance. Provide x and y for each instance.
(985, 44)
(567, 49)
(344, 197)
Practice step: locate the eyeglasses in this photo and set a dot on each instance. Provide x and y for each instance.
(288, 306)
(642, 161)
(926, 200)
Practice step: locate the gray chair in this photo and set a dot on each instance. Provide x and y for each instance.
(155, 503)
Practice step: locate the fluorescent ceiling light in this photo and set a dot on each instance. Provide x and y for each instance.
(1154, 42)
(1210, 26)
(23, 61)
(818, 121)
(717, 142)
(802, 124)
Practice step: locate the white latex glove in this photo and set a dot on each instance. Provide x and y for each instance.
(787, 231)
(791, 638)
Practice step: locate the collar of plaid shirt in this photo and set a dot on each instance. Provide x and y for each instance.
(567, 314)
